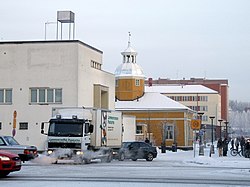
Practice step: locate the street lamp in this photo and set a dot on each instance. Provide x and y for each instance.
(220, 120)
(226, 122)
(201, 147)
(212, 135)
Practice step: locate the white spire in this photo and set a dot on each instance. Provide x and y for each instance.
(129, 67)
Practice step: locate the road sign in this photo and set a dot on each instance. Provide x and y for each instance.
(195, 124)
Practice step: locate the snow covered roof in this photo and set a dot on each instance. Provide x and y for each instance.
(180, 89)
(129, 69)
(150, 101)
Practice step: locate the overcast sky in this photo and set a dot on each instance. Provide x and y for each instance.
(174, 38)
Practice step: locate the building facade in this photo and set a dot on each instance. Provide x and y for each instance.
(39, 75)
(219, 85)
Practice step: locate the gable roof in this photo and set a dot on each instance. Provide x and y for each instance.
(150, 101)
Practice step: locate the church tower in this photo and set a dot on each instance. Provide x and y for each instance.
(129, 76)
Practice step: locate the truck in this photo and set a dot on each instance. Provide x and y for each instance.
(83, 134)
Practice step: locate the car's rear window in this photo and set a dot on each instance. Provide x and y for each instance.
(10, 140)
(126, 144)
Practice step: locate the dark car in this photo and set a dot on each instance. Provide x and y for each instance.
(25, 152)
(9, 162)
(137, 150)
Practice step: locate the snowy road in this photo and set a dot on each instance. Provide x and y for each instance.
(170, 169)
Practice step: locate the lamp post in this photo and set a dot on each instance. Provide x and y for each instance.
(226, 122)
(212, 135)
(220, 120)
(201, 147)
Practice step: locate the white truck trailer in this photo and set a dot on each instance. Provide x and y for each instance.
(84, 133)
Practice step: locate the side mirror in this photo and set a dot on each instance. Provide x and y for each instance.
(91, 128)
(42, 128)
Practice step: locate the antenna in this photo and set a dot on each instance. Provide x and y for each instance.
(45, 25)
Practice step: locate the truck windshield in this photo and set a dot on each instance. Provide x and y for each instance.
(66, 129)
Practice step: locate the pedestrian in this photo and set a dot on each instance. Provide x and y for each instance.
(237, 143)
(242, 145)
(225, 146)
(232, 144)
(247, 149)
(220, 146)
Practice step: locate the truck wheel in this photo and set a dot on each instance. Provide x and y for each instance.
(150, 157)
(121, 157)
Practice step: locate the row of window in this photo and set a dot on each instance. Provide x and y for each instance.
(37, 95)
(137, 82)
(189, 98)
(95, 65)
(46, 95)
(199, 108)
(22, 126)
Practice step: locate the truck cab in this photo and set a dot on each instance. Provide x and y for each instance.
(68, 133)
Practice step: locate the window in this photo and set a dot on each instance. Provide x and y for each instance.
(58, 95)
(0, 125)
(33, 95)
(138, 129)
(50, 93)
(23, 126)
(169, 131)
(95, 64)
(46, 95)
(42, 95)
(5, 96)
(137, 82)
(116, 83)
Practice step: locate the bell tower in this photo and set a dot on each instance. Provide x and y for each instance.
(129, 76)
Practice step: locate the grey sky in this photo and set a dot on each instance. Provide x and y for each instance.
(173, 38)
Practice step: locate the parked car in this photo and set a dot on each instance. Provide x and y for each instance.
(9, 162)
(25, 152)
(137, 150)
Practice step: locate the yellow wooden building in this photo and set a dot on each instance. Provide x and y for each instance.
(159, 118)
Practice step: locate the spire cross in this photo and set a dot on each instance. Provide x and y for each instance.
(129, 36)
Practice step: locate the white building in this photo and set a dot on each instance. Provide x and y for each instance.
(38, 75)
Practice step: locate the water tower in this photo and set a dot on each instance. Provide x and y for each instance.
(65, 17)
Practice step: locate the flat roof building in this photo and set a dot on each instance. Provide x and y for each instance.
(39, 75)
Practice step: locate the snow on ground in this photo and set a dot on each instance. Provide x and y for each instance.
(191, 158)
(237, 166)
